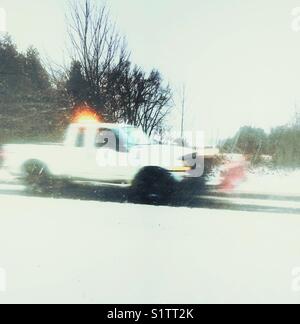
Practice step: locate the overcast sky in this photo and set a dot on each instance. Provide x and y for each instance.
(240, 60)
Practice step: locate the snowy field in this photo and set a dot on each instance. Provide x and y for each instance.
(265, 180)
(57, 251)
(75, 251)
(272, 181)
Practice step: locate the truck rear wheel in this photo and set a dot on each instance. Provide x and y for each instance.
(153, 186)
(37, 178)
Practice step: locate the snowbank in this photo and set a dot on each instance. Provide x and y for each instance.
(272, 181)
(58, 251)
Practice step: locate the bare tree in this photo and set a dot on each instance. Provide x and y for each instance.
(95, 43)
(138, 99)
(115, 89)
(156, 105)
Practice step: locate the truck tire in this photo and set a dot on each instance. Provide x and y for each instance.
(191, 188)
(153, 185)
(37, 178)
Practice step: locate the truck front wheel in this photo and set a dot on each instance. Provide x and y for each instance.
(153, 185)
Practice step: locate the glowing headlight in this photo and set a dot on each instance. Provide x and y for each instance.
(181, 169)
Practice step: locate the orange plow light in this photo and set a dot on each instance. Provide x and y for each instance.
(85, 115)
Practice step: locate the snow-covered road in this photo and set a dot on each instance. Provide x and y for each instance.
(63, 250)
(83, 246)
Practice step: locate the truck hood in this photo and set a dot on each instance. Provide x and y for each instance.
(161, 155)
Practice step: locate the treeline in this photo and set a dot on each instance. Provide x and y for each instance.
(282, 144)
(36, 103)
(30, 106)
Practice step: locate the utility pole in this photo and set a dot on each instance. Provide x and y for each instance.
(183, 111)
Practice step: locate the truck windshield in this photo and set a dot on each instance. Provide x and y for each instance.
(134, 136)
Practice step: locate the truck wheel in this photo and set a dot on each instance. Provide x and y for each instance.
(153, 186)
(191, 188)
(37, 178)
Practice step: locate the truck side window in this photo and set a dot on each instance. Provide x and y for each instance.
(106, 138)
(80, 138)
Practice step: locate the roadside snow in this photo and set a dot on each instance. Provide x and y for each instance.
(273, 182)
(65, 251)
(6, 177)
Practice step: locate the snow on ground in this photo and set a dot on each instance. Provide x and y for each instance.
(274, 182)
(265, 180)
(58, 251)
(6, 177)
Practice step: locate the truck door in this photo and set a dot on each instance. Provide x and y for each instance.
(107, 159)
(77, 158)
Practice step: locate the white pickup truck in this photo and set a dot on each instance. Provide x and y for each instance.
(111, 154)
